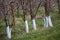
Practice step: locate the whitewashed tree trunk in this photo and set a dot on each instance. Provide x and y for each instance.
(8, 32)
(26, 25)
(47, 21)
(50, 22)
(34, 24)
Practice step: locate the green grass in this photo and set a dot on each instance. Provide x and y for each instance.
(18, 31)
(51, 33)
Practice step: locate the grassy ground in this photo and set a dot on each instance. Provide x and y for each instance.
(18, 31)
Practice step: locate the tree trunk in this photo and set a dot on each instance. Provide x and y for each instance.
(26, 21)
(14, 19)
(58, 1)
(18, 10)
(8, 28)
(32, 16)
(25, 16)
(4, 14)
(47, 19)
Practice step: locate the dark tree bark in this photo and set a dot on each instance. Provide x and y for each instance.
(58, 1)
(47, 7)
(18, 10)
(32, 15)
(24, 8)
(31, 11)
(3, 11)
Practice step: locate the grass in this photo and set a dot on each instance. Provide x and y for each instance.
(18, 31)
(51, 33)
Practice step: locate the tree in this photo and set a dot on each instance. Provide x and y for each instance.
(25, 14)
(32, 15)
(47, 14)
(4, 13)
(58, 1)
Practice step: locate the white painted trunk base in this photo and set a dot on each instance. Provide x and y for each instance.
(47, 21)
(50, 22)
(26, 25)
(34, 24)
(8, 32)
